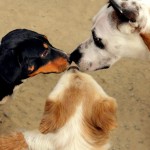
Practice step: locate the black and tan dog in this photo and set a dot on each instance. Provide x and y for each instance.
(25, 53)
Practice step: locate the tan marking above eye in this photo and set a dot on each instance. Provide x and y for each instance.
(45, 45)
(31, 68)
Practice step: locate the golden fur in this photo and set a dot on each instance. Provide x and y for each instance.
(14, 141)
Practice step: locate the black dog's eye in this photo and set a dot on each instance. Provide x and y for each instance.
(45, 53)
(97, 41)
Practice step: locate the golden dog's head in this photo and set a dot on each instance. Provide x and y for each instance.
(79, 102)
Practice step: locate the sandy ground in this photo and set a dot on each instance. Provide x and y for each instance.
(66, 23)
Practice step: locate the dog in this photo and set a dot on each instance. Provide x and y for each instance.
(25, 53)
(78, 115)
(120, 29)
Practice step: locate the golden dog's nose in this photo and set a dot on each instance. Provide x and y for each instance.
(73, 66)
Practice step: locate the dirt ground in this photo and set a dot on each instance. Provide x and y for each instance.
(67, 23)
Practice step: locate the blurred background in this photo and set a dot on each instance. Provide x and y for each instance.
(67, 23)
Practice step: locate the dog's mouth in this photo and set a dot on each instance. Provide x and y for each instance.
(124, 14)
(101, 68)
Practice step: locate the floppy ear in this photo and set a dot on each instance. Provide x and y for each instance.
(146, 39)
(10, 68)
(53, 118)
(104, 115)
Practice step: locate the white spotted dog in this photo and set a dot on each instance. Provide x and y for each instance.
(120, 29)
(78, 115)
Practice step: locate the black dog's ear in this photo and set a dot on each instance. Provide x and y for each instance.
(10, 68)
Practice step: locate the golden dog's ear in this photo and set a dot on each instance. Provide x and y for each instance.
(104, 114)
(53, 118)
(146, 39)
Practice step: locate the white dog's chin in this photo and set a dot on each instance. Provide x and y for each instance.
(104, 67)
(84, 69)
